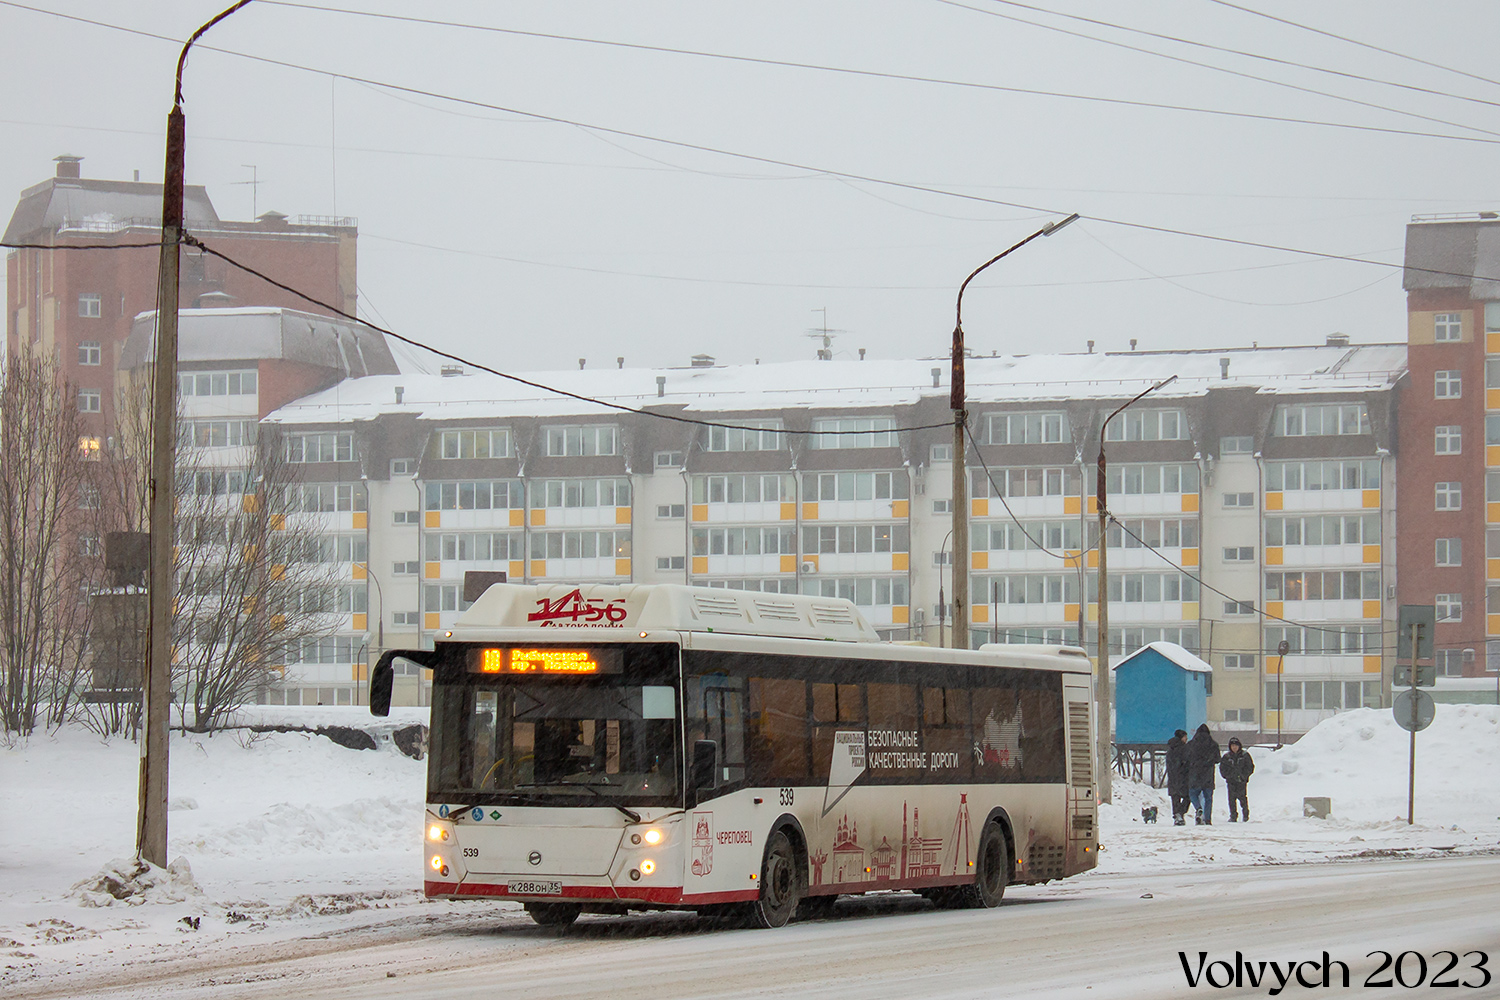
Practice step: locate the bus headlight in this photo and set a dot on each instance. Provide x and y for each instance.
(648, 866)
(438, 864)
(653, 837)
(437, 832)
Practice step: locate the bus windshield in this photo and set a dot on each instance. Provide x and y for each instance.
(609, 739)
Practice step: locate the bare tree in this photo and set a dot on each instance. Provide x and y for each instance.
(246, 589)
(44, 454)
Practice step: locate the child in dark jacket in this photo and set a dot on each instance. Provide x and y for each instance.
(1236, 767)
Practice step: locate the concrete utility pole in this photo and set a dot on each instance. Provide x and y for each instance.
(1102, 692)
(156, 691)
(959, 404)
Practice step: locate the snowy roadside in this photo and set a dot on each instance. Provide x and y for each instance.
(289, 841)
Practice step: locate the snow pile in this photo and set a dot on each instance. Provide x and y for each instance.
(284, 829)
(1358, 760)
(133, 882)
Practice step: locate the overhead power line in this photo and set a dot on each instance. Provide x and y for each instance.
(1060, 95)
(193, 241)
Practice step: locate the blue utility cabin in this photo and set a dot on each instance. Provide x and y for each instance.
(1160, 688)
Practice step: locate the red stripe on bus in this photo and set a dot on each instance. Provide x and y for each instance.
(665, 895)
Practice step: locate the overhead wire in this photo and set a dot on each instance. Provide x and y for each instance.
(194, 241)
(1219, 69)
(267, 60)
(1249, 55)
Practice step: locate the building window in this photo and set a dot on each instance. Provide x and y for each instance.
(1239, 607)
(90, 306)
(480, 443)
(1239, 661)
(401, 466)
(1447, 384)
(89, 401)
(942, 506)
(669, 460)
(1238, 445)
(1450, 662)
(411, 568)
(591, 439)
(314, 498)
(838, 486)
(671, 562)
(217, 383)
(1449, 552)
(753, 488)
(1324, 529)
(1239, 715)
(1318, 419)
(405, 517)
(1323, 585)
(671, 511)
(90, 353)
(943, 558)
(853, 432)
(484, 495)
(1450, 607)
(580, 493)
(408, 618)
(320, 447)
(1029, 428)
(1148, 532)
(751, 435)
(88, 545)
(1047, 482)
(1241, 553)
(1238, 500)
(1448, 439)
(474, 546)
(88, 497)
(940, 453)
(846, 538)
(1147, 425)
(1448, 496)
(1447, 328)
(1152, 479)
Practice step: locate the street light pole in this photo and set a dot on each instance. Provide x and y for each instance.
(156, 690)
(942, 600)
(1102, 692)
(959, 404)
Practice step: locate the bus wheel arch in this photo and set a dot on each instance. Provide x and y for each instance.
(1001, 818)
(783, 875)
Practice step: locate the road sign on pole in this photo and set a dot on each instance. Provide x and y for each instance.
(1413, 721)
(1424, 617)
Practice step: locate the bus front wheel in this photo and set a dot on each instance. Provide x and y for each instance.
(558, 916)
(780, 888)
(991, 872)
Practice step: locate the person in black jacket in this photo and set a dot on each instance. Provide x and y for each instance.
(1203, 755)
(1177, 776)
(1236, 767)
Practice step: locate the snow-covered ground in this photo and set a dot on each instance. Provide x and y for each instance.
(288, 837)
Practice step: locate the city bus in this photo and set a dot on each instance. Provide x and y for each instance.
(749, 756)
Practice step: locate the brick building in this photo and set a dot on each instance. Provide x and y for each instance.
(79, 306)
(1450, 437)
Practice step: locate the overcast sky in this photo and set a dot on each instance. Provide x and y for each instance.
(527, 243)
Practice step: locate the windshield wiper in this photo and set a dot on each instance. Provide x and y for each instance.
(634, 816)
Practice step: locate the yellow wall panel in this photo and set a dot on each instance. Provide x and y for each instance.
(434, 519)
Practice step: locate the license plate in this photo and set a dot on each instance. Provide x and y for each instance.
(529, 887)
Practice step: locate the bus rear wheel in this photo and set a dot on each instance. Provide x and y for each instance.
(558, 916)
(991, 873)
(780, 886)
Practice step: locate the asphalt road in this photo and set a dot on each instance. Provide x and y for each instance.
(1094, 937)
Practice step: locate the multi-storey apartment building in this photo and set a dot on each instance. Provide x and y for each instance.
(1253, 499)
(79, 307)
(1450, 437)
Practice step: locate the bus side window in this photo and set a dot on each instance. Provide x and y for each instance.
(834, 707)
(776, 732)
(1042, 743)
(999, 725)
(945, 734)
(894, 743)
(717, 712)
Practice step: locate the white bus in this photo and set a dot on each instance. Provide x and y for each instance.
(611, 748)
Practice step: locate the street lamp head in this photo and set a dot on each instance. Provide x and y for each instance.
(1053, 227)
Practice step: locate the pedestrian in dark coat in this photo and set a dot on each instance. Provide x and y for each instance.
(1236, 767)
(1177, 776)
(1203, 756)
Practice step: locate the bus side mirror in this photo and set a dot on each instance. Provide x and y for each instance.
(382, 680)
(705, 766)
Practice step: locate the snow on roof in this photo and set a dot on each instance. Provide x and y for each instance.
(839, 385)
(1173, 652)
